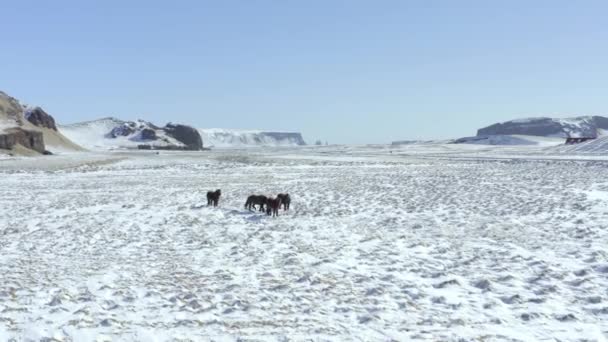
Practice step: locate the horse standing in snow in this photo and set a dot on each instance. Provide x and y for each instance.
(213, 197)
(254, 200)
(272, 206)
(285, 200)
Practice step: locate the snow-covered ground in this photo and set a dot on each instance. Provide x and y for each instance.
(447, 242)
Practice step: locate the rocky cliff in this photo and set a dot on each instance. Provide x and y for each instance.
(29, 131)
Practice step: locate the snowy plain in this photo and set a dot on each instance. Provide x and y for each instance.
(431, 243)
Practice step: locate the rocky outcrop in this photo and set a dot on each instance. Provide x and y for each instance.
(582, 126)
(38, 117)
(187, 135)
(29, 130)
(148, 134)
(123, 130)
(32, 140)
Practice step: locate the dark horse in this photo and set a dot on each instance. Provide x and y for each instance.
(272, 206)
(285, 200)
(254, 200)
(213, 197)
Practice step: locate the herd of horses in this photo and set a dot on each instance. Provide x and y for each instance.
(270, 205)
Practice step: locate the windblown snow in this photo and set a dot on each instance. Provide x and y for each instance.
(217, 137)
(433, 243)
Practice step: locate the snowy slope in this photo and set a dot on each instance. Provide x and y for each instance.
(511, 140)
(597, 146)
(98, 134)
(422, 142)
(216, 137)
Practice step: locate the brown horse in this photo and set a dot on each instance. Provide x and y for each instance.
(285, 200)
(272, 206)
(254, 200)
(213, 197)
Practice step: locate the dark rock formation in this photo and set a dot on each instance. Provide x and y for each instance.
(26, 138)
(40, 118)
(584, 126)
(187, 135)
(123, 130)
(148, 134)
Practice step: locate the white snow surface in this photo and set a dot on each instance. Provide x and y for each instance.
(432, 243)
(597, 146)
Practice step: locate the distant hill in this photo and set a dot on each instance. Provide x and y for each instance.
(111, 133)
(581, 126)
(215, 137)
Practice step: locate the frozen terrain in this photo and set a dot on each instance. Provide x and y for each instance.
(432, 243)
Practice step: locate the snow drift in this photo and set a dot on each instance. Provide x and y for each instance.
(510, 140)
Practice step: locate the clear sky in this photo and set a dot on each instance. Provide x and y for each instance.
(344, 71)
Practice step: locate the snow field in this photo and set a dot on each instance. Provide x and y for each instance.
(374, 248)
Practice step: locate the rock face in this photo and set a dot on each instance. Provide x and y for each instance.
(122, 130)
(32, 140)
(582, 126)
(148, 134)
(38, 117)
(187, 135)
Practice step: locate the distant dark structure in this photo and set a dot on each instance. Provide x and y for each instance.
(572, 141)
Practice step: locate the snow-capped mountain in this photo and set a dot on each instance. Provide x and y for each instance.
(112, 133)
(581, 126)
(216, 137)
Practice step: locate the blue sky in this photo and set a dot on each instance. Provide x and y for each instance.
(343, 71)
